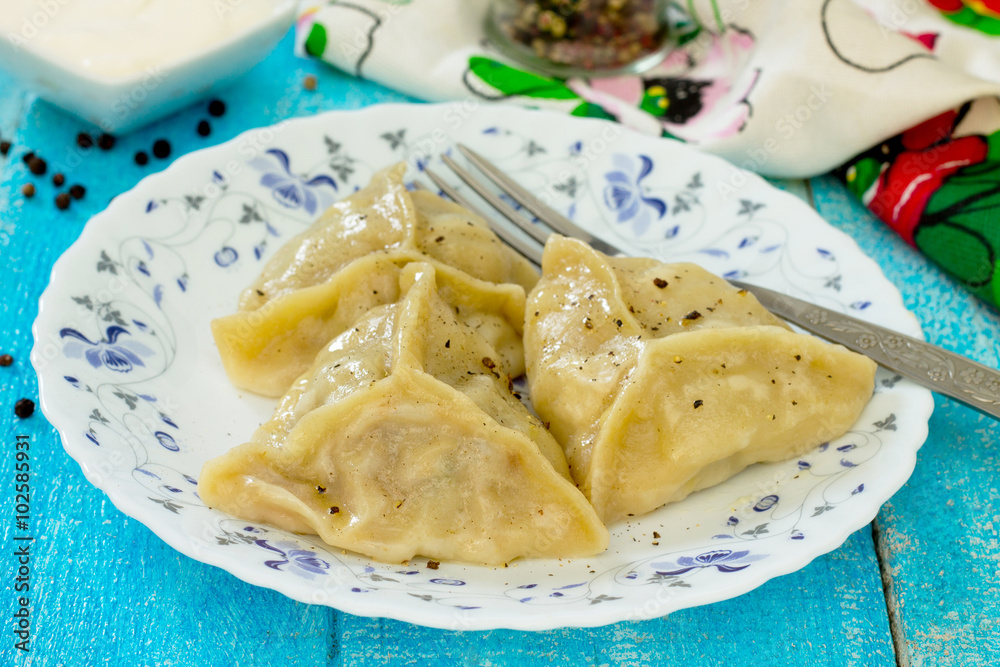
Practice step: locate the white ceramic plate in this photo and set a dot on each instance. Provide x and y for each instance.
(130, 377)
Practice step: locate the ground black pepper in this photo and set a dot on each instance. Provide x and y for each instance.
(141, 158)
(24, 408)
(62, 201)
(161, 148)
(77, 191)
(204, 128)
(6, 360)
(216, 108)
(660, 282)
(334, 509)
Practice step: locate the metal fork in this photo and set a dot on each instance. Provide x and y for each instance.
(945, 372)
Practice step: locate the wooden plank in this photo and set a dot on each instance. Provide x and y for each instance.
(829, 613)
(937, 537)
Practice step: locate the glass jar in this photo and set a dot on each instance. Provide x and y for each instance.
(580, 37)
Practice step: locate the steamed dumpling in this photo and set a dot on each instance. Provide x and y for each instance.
(265, 350)
(404, 438)
(385, 217)
(349, 262)
(662, 379)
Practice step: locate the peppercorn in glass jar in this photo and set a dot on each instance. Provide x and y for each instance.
(581, 37)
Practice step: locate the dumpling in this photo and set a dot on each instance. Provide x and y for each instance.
(349, 262)
(405, 438)
(662, 379)
(385, 217)
(265, 350)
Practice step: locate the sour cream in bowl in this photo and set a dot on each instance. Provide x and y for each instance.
(120, 64)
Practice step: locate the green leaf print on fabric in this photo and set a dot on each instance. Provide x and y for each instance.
(511, 81)
(960, 229)
(315, 43)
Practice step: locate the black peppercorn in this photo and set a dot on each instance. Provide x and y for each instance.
(84, 140)
(58, 179)
(37, 166)
(24, 408)
(62, 201)
(216, 108)
(106, 142)
(141, 158)
(4, 147)
(204, 129)
(161, 148)
(77, 191)
(6, 360)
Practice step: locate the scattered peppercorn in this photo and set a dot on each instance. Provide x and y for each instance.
(161, 148)
(141, 158)
(216, 108)
(660, 282)
(106, 142)
(6, 360)
(309, 83)
(37, 166)
(62, 201)
(28, 190)
(84, 140)
(204, 128)
(28, 157)
(698, 403)
(24, 408)
(4, 147)
(58, 179)
(77, 191)
(693, 315)
(433, 565)
(334, 509)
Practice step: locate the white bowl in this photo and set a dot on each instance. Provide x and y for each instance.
(122, 101)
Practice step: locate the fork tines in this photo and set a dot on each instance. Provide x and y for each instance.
(550, 220)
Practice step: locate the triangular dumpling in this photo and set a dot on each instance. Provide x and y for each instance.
(405, 438)
(347, 263)
(662, 379)
(265, 350)
(386, 217)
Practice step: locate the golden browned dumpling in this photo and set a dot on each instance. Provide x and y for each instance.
(405, 438)
(662, 379)
(347, 263)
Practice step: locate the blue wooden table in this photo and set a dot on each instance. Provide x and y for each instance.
(920, 586)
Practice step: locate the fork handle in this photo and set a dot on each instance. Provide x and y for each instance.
(939, 370)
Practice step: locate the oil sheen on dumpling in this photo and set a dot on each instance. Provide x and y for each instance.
(404, 438)
(347, 263)
(662, 379)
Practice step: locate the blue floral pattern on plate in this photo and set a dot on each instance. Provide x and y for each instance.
(129, 376)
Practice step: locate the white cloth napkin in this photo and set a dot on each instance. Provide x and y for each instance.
(788, 88)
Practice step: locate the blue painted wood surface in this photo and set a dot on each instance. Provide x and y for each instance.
(106, 591)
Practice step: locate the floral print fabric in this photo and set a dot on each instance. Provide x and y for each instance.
(898, 97)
